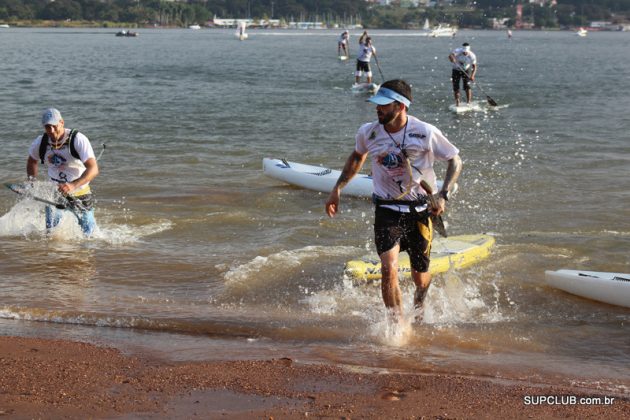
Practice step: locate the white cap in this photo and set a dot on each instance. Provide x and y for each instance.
(51, 116)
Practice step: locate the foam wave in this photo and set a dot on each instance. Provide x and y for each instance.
(281, 262)
(76, 318)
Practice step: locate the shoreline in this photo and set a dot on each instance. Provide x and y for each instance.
(59, 378)
(50, 24)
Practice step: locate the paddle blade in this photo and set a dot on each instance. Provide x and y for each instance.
(16, 188)
(491, 101)
(438, 225)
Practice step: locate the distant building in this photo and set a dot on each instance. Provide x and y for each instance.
(250, 23)
(307, 25)
(230, 23)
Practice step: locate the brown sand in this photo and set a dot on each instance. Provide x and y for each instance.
(63, 379)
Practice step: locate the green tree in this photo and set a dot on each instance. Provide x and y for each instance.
(62, 10)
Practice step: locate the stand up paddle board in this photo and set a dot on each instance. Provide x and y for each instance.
(446, 253)
(463, 108)
(612, 288)
(319, 178)
(365, 87)
(315, 178)
(343, 57)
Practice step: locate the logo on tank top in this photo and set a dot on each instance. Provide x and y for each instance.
(391, 161)
(56, 160)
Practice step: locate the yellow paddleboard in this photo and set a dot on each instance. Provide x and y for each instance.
(446, 253)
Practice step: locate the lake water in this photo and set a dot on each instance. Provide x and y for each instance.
(199, 256)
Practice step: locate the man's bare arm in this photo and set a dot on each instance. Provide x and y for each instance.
(453, 171)
(351, 168)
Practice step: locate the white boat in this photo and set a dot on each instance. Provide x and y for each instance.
(195, 27)
(612, 288)
(582, 32)
(443, 31)
(4, 25)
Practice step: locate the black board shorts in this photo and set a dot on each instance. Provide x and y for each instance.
(363, 66)
(458, 75)
(413, 234)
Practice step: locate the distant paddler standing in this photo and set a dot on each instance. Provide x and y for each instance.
(240, 33)
(342, 45)
(366, 50)
(464, 69)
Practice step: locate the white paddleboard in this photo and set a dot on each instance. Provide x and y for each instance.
(343, 57)
(365, 87)
(463, 108)
(315, 178)
(612, 288)
(319, 178)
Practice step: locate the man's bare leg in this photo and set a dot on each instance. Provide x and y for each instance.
(390, 289)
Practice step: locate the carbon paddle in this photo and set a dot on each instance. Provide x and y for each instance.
(19, 189)
(379, 67)
(491, 101)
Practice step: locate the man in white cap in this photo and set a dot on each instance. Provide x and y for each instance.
(464, 68)
(342, 44)
(71, 165)
(402, 150)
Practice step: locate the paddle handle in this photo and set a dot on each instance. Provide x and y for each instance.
(425, 185)
(438, 223)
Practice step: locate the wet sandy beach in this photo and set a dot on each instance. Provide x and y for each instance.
(54, 379)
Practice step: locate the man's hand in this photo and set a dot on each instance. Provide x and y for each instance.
(438, 206)
(66, 188)
(332, 204)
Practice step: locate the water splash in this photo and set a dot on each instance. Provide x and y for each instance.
(27, 218)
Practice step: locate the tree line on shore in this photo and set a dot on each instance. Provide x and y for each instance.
(463, 13)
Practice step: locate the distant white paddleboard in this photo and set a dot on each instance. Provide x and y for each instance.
(612, 288)
(343, 57)
(463, 108)
(365, 87)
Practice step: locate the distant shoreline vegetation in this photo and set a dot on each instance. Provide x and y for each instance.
(479, 14)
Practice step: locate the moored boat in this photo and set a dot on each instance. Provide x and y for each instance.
(126, 33)
(443, 31)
